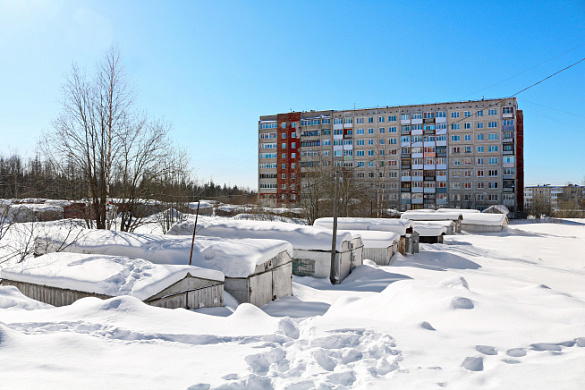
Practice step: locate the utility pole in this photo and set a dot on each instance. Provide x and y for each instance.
(334, 274)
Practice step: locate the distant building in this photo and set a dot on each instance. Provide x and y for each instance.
(554, 197)
(466, 154)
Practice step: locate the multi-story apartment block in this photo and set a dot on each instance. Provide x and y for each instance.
(553, 197)
(457, 154)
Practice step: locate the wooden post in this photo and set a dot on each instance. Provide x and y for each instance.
(194, 230)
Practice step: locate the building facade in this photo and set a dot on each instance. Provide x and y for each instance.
(457, 154)
(553, 198)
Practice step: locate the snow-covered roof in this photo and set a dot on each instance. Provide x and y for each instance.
(373, 238)
(393, 225)
(202, 205)
(485, 219)
(101, 274)
(434, 228)
(497, 209)
(235, 258)
(452, 210)
(431, 216)
(301, 237)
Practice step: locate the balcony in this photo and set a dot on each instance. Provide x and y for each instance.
(429, 178)
(429, 120)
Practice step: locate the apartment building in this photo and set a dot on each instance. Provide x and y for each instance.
(466, 154)
(554, 197)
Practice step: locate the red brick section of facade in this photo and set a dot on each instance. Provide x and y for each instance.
(520, 160)
(287, 175)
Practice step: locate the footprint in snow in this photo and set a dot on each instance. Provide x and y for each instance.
(516, 352)
(473, 363)
(486, 349)
(580, 341)
(462, 303)
(427, 326)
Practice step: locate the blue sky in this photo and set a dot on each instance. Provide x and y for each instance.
(211, 68)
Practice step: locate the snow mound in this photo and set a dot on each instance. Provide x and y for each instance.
(393, 225)
(234, 258)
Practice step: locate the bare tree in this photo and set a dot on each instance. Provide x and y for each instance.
(101, 133)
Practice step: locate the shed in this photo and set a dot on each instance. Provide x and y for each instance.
(456, 217)
(497, 209)
(448, 225)
(311, 245)
(408, 242)
(256, 271)
(378, 246)
(62, 278)
(482, 223)
(431, 232)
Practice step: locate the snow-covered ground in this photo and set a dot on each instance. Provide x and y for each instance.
(491, 311)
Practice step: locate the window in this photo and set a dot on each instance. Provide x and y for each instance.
(284, 155)
(392, 141)
(337, 121)
(455, 126)
(371, 165)
(326, 121)
(392, 118)
(480, 113)
(492, 124)
(493, 172)
(467, 173)
(284, 145)
(467, 186)
(283, 166)
(337, 153)
(359, 120)
(467, 125)
(493, 148)
(370, 152)
(370, 131)
(326, 142)
(316, 122)
(293, 155)
(404, 117)
(381, 119)
(361, 163)
(417, 127)
(370, 142)
(392, 129)
(371, 119)
(283, 125)
(492, 136)
(467, 149)
(480, 125)
(381, 141)
(479, 161)
(349, 132)
(347, 120)
(480, 137)
(479, 173)
(441, 126)
(508, 171)
(284, 175)
(441, 114)
(467, 114)
(493, 196)
(405, 139)
(338, 132)
(493, 161)
(382, 131)
(455, 114)
(456, 161)
(508, 159)
(480, 149)
(348, 152)
(455, 138)
(467, 137)
(492, 111)
(455, 150)
(417, 115)
(360, 142)
(508, 110)
(493, 184)
(283, 136)
(508, 122)
(456, 186)
(326, 132)
(360, 131)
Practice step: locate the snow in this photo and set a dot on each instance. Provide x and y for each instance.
(301, 237)
(394, 225)
(432, 216)
(460, 211)
(430, 229)
(235, 258)
(485, 219)
(374, 239)
(100, 274)
(498, 310)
